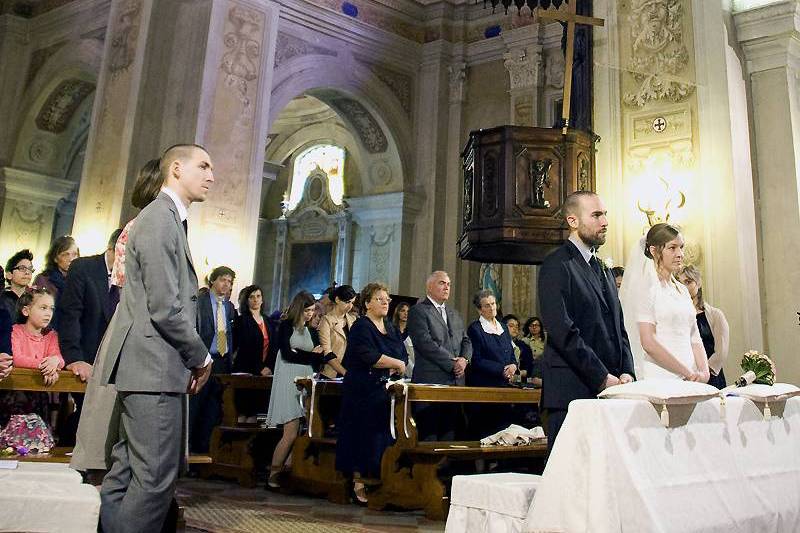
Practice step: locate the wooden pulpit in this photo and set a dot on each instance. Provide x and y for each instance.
(515, 181)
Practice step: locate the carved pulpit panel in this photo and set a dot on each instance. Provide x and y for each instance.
(515, 181)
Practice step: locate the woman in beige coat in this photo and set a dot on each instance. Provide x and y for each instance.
(334, 328)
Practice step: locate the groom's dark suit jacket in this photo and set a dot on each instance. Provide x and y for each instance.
(586, 337)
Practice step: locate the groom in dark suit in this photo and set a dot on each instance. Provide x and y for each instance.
(155, 355)
(587, 347)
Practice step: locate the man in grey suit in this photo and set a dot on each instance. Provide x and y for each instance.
(442, 350)
(155, 354)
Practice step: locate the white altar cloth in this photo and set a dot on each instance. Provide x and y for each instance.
(616, 468)
(47, 497)
(492, 503)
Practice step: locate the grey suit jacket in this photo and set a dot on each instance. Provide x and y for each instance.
(436, 343)
(154, 342)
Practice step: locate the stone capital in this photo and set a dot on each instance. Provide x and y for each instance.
(770, 36)
(457, 74)
(523, 65)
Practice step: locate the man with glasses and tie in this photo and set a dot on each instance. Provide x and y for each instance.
(19, 273)
(442, 350)
(215, 320)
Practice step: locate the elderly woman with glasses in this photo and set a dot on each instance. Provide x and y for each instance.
(374, 352)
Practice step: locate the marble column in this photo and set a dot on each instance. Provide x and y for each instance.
(188, 71)
(15, 55)
(769, 39)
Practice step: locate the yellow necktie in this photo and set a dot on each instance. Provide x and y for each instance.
(222, 334)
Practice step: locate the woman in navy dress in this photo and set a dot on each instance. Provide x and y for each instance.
(493, 364)
(374, 352)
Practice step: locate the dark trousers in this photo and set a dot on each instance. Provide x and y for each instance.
(205, 407)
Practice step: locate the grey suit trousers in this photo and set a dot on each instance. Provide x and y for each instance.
(151, 444)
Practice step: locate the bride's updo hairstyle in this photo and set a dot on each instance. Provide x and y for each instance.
(658, 236)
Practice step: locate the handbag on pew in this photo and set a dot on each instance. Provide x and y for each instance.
(27, 432)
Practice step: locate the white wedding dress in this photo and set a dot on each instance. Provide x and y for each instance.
(645, 298)
(670, 308)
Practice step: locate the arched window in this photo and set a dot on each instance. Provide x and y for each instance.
(327, 157)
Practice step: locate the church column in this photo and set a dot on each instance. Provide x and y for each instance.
(344, 245)
(457, 73)
(185, 71)
(281, 232)
(431, 244)
(524, 70)
(15, 55)
(769, 37)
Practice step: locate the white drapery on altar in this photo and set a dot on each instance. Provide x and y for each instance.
(616, 468)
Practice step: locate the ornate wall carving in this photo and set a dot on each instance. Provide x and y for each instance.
(367, 128)
(521, 295)
(457, 76)
(399, 83)
(658, 52)
(242, 50)
(59, 107)
(523, 67)
(123, 43)
(289, 46)
(380, 252)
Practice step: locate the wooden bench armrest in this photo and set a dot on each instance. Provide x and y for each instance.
(29, 379)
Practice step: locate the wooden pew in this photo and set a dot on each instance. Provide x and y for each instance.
(410, 476)
(233, 443)
(27, 379)
(314, 455)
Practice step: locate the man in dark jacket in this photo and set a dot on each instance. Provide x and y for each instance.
(215, 316)
(587, 346)
(87, 305)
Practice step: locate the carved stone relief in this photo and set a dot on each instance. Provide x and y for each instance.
(523, 67)
(41, 151)
(554, 70)
(289, 46)
(457, 75)
(380, 173)
(123, 43)
(398, 83)
(521, 295)
(658, 52)
(380, 252)
(367, 128)
(675, 137)
(40, 57)
(243, 50)
(57, 111)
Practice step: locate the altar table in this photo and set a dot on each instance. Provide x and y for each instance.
(47, 497)
(615, 468)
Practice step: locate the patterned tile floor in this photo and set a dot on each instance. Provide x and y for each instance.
(224, 507)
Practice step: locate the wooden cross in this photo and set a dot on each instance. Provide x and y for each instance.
(571, 17)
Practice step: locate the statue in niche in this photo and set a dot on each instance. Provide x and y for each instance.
(540, 178)
(581, 101)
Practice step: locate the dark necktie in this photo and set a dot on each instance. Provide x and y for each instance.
(598, 271)
(185, 227)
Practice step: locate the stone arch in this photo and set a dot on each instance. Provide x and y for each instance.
(327, 79)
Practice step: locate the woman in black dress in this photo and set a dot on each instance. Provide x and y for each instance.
(251, 342)
(374, 352)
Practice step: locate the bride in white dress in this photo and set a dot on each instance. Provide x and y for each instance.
(659, 314)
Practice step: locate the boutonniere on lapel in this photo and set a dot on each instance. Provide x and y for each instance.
(605, 264)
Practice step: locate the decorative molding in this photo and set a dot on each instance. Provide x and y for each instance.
(366, 126)
(400, 84)
(658, 52)
(521, 294)
(289, 46)
(770, 36)
(123, 43)
(39, 58)
(642, 141)
(26, 186)
(59, 107)
(457, 76)
(243, 50)
(523, 65)
(554, 70)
